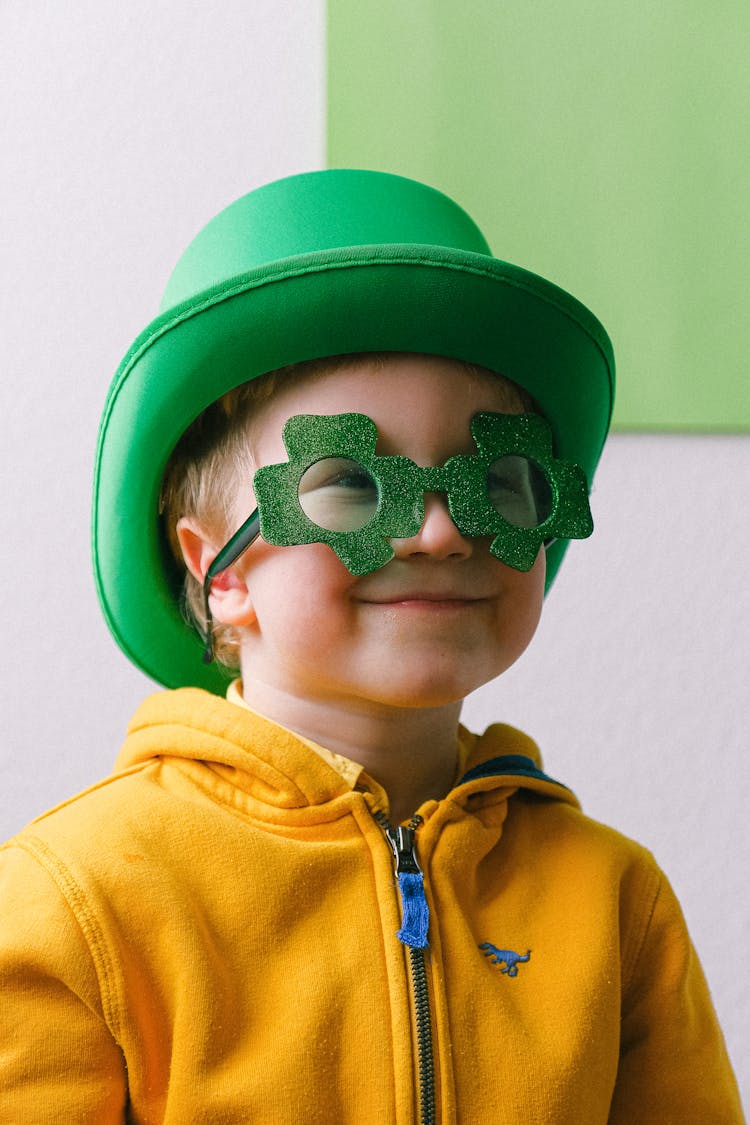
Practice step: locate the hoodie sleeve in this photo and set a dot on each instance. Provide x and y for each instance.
(674, 1068)
(58, 1060)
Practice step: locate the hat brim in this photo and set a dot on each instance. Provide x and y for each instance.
(402, 298)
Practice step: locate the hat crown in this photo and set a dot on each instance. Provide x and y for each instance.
(314, 212)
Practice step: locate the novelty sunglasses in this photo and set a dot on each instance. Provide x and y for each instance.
(335, 489)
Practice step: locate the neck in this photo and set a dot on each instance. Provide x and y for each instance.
(410, 751)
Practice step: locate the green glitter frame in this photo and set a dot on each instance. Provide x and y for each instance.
(309, 438)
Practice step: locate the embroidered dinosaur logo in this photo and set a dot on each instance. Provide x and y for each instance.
(505, 957)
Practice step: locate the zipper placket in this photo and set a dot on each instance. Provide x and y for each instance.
(413, 934)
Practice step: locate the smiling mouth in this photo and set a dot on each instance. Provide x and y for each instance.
(430, 601)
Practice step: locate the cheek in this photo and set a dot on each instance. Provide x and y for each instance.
(534, 592)
(304, 581)
(525, 598)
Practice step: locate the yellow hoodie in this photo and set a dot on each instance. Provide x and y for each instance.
(210, 936)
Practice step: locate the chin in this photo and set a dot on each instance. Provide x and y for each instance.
(430, 690)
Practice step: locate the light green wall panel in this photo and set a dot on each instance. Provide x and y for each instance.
(603, 145)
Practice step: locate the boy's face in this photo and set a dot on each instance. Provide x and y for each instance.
(442, 617)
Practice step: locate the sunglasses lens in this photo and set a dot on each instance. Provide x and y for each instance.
(519, 491)
(338, 494)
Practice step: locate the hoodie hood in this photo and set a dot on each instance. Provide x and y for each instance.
(234, 746)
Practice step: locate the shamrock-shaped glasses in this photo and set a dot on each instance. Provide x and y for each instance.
(335, 489)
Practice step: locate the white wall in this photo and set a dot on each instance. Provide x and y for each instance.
(127, 127)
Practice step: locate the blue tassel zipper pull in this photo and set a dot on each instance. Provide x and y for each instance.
(416, 915)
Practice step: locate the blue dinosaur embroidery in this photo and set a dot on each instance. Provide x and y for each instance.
(505, 957)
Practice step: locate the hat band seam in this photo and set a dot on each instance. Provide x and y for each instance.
(217, 296)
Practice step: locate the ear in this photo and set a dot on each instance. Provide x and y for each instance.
(230, 598)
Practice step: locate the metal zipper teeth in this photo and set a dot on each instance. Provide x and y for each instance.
(424, 1036)
(418, 974)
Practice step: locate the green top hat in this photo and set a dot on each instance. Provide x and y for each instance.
(319, 264)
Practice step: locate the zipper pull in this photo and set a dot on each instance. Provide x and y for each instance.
(415, 912)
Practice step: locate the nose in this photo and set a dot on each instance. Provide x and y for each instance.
(438, 537)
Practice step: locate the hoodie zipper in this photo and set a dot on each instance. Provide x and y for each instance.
(415, 913)
(413, 934)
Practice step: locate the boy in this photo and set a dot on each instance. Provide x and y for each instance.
(319, 899)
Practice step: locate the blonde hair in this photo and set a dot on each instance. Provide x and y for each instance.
(214, 455)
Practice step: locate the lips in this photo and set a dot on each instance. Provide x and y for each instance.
(438, 597)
